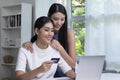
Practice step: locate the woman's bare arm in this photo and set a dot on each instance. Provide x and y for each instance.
(71, 74)
(20, 75)
(71, 47)
(71, 57)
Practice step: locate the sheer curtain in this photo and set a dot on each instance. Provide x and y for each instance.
(103, 30)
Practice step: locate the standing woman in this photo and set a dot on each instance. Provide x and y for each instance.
(64, 39)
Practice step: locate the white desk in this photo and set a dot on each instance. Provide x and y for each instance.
(63, 78)
(105, 76)
(110, 76)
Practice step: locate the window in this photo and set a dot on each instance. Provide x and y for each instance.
(78, 24)
(102, 31)
(76, 19)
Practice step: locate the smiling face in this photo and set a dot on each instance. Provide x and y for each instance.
(58, 19)
(45, 34)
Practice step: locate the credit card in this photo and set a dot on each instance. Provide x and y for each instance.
(55, 60)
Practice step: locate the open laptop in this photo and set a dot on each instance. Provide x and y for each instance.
(90, 67)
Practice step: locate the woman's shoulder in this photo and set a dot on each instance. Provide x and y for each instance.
(53, 49)
(70, 32)
(24, 50)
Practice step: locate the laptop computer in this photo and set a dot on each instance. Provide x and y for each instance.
(90, 67)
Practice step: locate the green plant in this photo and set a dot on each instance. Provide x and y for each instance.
(79, 26)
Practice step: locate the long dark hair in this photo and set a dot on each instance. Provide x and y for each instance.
(62, 35)
(39, 23)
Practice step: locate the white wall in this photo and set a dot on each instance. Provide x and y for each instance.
(43, 10)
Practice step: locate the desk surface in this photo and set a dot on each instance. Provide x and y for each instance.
(110, 76)
(63, 78)
(104, 76)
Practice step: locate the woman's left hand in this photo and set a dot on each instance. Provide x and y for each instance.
(55, 44)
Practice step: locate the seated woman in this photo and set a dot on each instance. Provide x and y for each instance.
(38, 66)
(64, 38)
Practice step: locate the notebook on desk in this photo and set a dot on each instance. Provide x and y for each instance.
(90, 67)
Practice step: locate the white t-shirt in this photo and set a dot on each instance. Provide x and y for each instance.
(28, 61)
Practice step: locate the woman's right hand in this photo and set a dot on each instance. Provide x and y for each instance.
(46, 66)
(28, 46)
